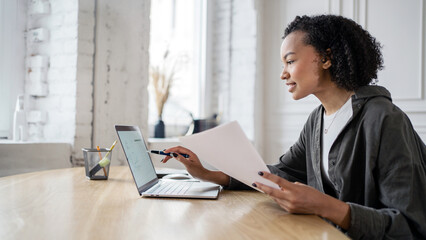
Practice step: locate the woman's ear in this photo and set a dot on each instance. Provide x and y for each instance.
(326, 60)
(326, 64)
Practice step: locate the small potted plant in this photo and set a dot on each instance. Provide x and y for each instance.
(161, 78)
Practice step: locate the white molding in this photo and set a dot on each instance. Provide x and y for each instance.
(362, 13)
(205, 74)
(334, 7)
(416, 102)
(423, 49)
(420, 94)
(355, 10)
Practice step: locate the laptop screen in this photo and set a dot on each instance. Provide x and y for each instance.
(137, 156)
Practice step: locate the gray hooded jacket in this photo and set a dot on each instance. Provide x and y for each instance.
(377, 165)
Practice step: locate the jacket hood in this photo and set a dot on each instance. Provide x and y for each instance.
(370, 91)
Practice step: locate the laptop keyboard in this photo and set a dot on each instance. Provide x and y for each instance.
(171, 188)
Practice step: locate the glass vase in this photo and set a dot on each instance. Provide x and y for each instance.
(159, 129)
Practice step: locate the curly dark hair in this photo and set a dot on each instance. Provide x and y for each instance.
(355, 54)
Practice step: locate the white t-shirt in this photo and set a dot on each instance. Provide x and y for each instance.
(333, 124)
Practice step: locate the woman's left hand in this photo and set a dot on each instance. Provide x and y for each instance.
(293, 197)
(300, 198)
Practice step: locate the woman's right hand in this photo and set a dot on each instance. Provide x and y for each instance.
(192, 163)
(194, 166)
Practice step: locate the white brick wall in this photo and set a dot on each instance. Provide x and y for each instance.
(84, 102)
(221, 57)
(53, 92)
(62, 97)
(121, 73)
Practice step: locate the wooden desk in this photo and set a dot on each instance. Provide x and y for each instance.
(63, 204)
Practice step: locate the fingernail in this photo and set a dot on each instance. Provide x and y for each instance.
(260, 173)
(174, 154)
(254, 184)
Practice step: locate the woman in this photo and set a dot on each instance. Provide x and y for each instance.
(358, 161)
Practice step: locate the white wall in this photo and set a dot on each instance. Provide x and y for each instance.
(51, 87)
(283, 117)
(89, 91)
(121, 69)
(83, 135)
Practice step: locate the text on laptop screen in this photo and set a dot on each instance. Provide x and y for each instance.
(138, 157)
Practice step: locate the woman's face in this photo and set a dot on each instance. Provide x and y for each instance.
(303, 70)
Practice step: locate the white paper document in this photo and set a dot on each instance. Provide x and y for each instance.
(228, 149)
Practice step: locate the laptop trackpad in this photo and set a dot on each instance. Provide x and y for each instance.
(203, 189)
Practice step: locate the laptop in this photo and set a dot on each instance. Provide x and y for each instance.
(145, 176)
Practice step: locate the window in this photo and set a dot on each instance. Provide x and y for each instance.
(176, 45)
(12, 55)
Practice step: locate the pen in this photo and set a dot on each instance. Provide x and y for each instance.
(100, 159)
(110, 149)
(167, 154)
